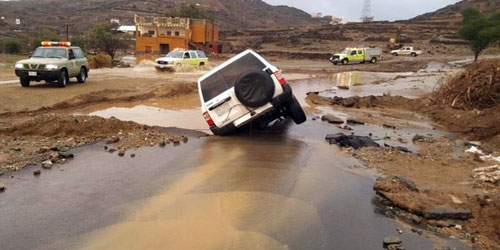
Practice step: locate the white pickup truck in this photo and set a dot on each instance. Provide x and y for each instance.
(406, 51)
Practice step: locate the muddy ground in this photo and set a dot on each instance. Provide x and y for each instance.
(41, 123)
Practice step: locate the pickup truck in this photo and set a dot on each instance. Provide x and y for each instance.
(408, 51)
(359, 55)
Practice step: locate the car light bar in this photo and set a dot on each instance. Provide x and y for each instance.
(64, 44)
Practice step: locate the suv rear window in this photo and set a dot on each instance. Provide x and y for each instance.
(226, 77)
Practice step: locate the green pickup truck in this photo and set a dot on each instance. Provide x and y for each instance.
(53, 61)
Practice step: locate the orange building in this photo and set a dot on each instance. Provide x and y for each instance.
(163, 34)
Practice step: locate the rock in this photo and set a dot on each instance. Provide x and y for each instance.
(163, 143)
(345, 87)
(55, 148)
(112, 139)
(399, 231)
(354, 122)
(47, 164)
(446, 212)
(392, 240)
(121, 153)
(176, 141)
(37, 172)
(132, 155)
(353, 141)
(106, 148)
(389, 126)
(395, 247)
(388, 184)
(112, 150)
(185, 139)
(66, 155)
(403, 149)
(2, 187)
(473, 144)
(43, 150)
(332, 119)
(345, 127)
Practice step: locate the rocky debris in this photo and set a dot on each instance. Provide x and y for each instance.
(37, 172)
(389, 126)
(421, 138)
(348, 102)
(2, 187)
(132, 156)
(488, 174)
(121, 152)
(353, 141)
(113, 139)
(400, 148)
(163, 143)
(112, 150)
(393, 243)
(47, 164)
(417, 231)
(354, 122)
(185, 139)
(405, 195)
(388, 184)
(345, 87)
(332, 119)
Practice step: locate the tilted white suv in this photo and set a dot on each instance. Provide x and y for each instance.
(245, 89)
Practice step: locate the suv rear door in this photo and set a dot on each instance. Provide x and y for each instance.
(217, 92)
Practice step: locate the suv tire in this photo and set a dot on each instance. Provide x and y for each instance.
(374, 60)
(414, 54)
(254, 89)
(63, 79)
(395, 54)
(25, 82)
(345, 61)
(296, 111)
(82, 76)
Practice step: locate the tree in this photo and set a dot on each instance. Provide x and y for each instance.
(190, 11)
(100, 39)
(79, 41)
(481, 31)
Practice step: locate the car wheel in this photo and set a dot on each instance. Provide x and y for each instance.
(345, 62)
(254, 89)
(25, 82)
(395, 54)
(202, 64)
(374, 60)
(335, 63)
(63, 79)
(82, 76)
(296, 111)
(414, 54)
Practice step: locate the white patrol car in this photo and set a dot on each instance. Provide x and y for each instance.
(181, 57)
(244, 89)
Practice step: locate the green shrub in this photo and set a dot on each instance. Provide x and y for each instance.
(12, 46)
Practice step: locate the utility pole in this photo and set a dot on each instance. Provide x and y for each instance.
(366, 12)
(67, 33)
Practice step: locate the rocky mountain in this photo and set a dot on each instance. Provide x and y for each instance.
(80, 14)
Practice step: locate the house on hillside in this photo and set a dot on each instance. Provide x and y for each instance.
(163, 34)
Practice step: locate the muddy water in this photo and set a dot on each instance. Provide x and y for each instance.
(281, 190)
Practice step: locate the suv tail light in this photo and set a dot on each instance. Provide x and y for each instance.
(208, 119)
(280, 77)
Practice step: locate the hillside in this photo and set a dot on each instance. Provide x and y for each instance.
(80, 14)
(451, 13)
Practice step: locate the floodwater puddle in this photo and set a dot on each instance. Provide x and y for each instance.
(288, 190)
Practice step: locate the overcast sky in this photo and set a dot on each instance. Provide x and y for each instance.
(381, 9)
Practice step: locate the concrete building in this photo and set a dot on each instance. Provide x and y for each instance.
(163, 34)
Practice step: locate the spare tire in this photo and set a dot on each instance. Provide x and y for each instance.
(254, 88)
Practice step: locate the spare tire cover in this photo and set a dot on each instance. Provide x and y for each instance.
(254, 88)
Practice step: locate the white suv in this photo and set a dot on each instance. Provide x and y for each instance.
(244, 89)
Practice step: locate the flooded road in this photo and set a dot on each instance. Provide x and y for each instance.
(282, 190)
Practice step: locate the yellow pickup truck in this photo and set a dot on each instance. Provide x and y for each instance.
(181, 57)
(357, 55)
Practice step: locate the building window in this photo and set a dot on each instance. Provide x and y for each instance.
(151, 33)
(177, 33)
(169, 33)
